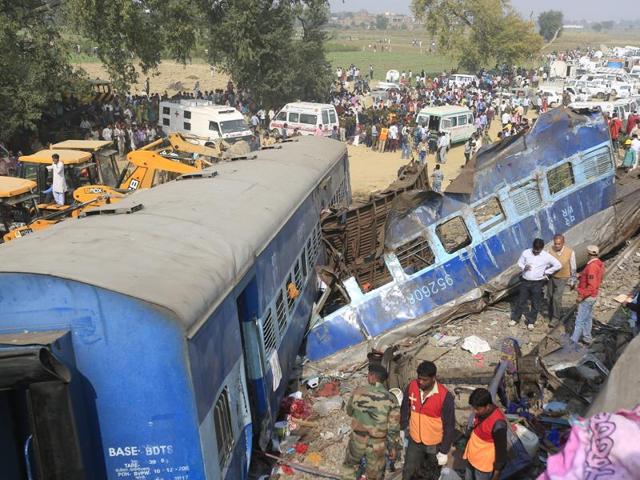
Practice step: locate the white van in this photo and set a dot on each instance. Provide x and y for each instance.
(454, 120)
(460, 80)
(306, 117)
(622, 107)
(204, 120)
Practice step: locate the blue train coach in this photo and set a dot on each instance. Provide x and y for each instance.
(153, 339)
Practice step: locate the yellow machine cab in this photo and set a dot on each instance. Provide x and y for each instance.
(18, 203)
(79, 168)
(104, 155)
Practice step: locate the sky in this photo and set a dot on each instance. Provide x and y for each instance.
(590, 10)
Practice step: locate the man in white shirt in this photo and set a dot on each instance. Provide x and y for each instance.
(536, 266)
(442, 148)
(107, 133)
(59, 185)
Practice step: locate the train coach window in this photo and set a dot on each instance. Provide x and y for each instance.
(453, 234)
(281, 312)
(224, 429)
(560, 178)
(269, 333)
(489, 214)
(303, 262)
(415, 255)
(597, 163)
(527, 198)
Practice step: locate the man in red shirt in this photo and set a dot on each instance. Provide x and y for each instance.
(615, 125)
(588, 286)
(631, 122)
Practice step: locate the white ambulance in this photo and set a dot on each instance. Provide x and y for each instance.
(204, 120)
(306, 117)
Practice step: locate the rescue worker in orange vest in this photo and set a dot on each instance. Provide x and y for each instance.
(428, 411)
(486, 452)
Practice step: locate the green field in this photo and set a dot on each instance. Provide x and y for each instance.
(352, 46)
(383, 61)
(347, 46)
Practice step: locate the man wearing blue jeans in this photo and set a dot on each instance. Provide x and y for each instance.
(588, 286)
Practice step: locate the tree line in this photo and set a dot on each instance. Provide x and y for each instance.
(275, 49)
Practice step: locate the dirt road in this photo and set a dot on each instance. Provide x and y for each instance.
(373, 171)
(170, 76)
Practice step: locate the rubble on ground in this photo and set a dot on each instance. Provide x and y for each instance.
(326, 430)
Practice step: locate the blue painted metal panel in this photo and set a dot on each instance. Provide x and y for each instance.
(213, 352)
(239, 467)
(132, 360)
(558, 134)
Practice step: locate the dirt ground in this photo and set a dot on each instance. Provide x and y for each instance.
(374, 171)
(169, 76)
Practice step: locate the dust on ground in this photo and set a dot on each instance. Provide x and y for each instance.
(169, 76)
(373, 171)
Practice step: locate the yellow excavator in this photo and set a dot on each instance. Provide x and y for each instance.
(18, 203)
(91, 167)
(146, 169)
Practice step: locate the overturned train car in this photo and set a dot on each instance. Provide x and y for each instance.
(447, 255)
(153, 339)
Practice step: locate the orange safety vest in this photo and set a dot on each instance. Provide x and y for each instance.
(425, 422)
(480, 451)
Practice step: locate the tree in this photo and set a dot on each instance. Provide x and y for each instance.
(597, 26)
(607, 25)
(550, 23)
(129, 32)
(258, 45)
(255, 41)
(480, 33)
(35, 65)
(382, 22)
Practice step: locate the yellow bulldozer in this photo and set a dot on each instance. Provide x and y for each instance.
(88, 162)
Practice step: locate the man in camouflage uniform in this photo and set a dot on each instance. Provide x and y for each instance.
(375, 426)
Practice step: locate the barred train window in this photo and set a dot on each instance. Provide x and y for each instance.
(270, 335)
(527, 198)
(489, 214)
(597, 163)
(560, 178)
(280, 311)
(224, 429)
(453, 234)
(415, 255)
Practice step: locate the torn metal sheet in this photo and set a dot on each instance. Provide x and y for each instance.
(443, 256)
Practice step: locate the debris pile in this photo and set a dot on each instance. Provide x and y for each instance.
(544, 383)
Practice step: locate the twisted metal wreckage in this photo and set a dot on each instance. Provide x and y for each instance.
(413, 257)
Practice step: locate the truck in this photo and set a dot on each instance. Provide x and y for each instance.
(204, 121)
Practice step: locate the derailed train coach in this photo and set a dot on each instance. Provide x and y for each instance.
(452, 254)
(153, 339)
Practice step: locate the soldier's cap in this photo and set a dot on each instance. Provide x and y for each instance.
(378, 369)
